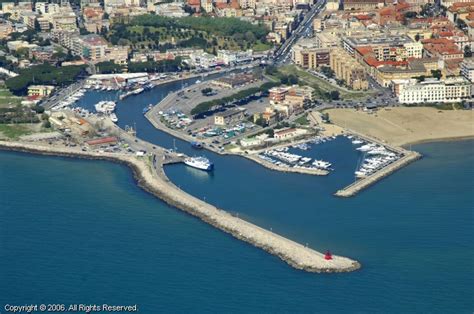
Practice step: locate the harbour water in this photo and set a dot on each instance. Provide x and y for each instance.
(75, 231)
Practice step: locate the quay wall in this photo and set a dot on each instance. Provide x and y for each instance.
(158, 125)
(266, 164)
(293, 253)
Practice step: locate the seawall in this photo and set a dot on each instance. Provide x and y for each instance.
(293, 253)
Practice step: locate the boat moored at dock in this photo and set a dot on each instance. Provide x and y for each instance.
(201, 163)
(105, 107)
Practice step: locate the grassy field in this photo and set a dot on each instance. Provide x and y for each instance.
(322, 85)
(13, 131)
(7, 99)
(259, 46)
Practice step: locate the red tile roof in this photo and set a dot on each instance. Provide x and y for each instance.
(103, 140)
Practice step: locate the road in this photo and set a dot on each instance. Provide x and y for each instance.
(62, 94)
(282, 54)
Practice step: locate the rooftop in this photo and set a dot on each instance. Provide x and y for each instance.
(356, 41)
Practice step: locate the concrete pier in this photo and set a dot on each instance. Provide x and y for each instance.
(361, 184)
(154, 180)
(407, 157)
(269, 165)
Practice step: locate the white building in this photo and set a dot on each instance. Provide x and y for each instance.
(173, 9)
(229, 57)
(413, 50)
(467, 69)
(410, 91)
(203, 60)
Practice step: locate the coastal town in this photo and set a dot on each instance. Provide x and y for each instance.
(269, 81)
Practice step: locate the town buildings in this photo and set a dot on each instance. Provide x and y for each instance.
(40, 91)
(229, 117)
(348, 69)
(467, 69)
(431, 90)
(307, 55)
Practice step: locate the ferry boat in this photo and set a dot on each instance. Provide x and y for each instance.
(201, 163)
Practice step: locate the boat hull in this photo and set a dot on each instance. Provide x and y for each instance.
(204, 168)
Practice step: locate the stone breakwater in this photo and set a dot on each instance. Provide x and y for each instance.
(293, 253)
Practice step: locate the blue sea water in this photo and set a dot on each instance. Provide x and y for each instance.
(76, 231)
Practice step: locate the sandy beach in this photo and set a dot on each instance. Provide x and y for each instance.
(404, 125)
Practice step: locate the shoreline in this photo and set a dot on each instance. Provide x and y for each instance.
(405, 126)
(440, 140)
(291, 252)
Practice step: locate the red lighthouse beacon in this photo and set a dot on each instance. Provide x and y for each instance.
(328, 256)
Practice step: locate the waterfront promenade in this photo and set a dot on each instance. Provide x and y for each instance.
(151, 177)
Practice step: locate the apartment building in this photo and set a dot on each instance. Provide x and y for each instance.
(385, 47)
(6, 28)
(40, 90)
(351, 5)
(306, 55)
(348, 69)
(432, 90)
(467, 69)
(443, 48)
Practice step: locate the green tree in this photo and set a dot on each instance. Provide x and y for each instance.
(410, 15)
(467, 51)
(325, 117)
(436, 74)
(206, 91)
(43, 74)
(334, 95)
(292, 79)
(38, 109)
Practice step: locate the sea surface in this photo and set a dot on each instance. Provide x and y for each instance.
(79, 231)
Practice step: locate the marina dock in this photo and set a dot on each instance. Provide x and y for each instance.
(407, 158)
(361, 184)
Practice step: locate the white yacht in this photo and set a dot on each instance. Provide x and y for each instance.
(367, 147)
(105, 106)
(321, 164)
